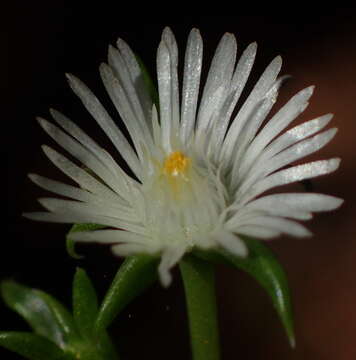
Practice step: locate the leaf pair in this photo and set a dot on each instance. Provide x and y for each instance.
(56, 333)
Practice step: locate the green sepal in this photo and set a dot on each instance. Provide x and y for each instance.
(262, 265)
(85, 303)
(70, 244)
(45, 315)
(134, 276)
(32, 346)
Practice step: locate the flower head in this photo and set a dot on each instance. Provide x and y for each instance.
(200, 167)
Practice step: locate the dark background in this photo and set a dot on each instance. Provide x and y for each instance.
(43, 41)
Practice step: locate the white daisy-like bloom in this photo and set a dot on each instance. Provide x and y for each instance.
(201, 167)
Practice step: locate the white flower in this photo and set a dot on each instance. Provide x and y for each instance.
(199, 179)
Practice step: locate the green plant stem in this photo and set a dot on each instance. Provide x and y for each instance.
(199, 285)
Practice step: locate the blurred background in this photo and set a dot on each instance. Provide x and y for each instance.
(43, 41)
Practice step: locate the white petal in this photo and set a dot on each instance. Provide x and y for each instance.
(141, 96)
(282, 142)
(79, 175)
(164, 77)
(250, 129)
(77, 217)
(260, 232)
(191, 81)
(109, 209)
(232, 243)
(241, 74)
(169, 258)
(290, 175)
(170, 41)
(297, 133)
(109, 237)
(300, 150)
(98, 112)
(62, 189)
(121, 177)
(259, 91)
(130, 249)
(156, 127)
(85, 156)
(270, 205)
(86, 141)
(300, 201)
(137, 78)
(122, 73)
(121, 100)
(281, 120)
(282, 225)
(264, 166)
(218, 81)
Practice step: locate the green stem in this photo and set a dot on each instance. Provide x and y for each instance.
(199, 285)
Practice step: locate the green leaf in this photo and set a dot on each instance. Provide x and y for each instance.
(31, 346)
(134, 276)
(148, 82)
(199, 285)
(85, 303)
(70, 245)
(262, 265)
(45, 315)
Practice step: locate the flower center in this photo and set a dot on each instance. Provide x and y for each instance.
(176, 164)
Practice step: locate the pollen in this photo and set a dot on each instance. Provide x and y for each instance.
(176, 164)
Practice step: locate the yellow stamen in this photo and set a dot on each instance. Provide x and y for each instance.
(176, 164)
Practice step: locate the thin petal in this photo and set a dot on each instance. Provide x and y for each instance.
(260, 232)
(277, 223)
(281, 120)
(191, 81)
(109, 237)
(251, 127)
(218, 82)
(232, 243)
(290, 175)
(164, 77)
(282, 142)
(170, 257)
(300, 201)
(241, 74)
(86, 141)
(122, 104)
(258, 93)
(170, 41)
(85, 156)
(128, 249)
(98, 112)
(264, 166)
(62, 189)
(109, 209)
(79, 175)
(137, 79)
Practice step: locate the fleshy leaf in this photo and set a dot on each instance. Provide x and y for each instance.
(45, 315)
(134, 276)
(32, 346)
(75, 228)
(262, 265)
(85, 303)
(85, 311)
